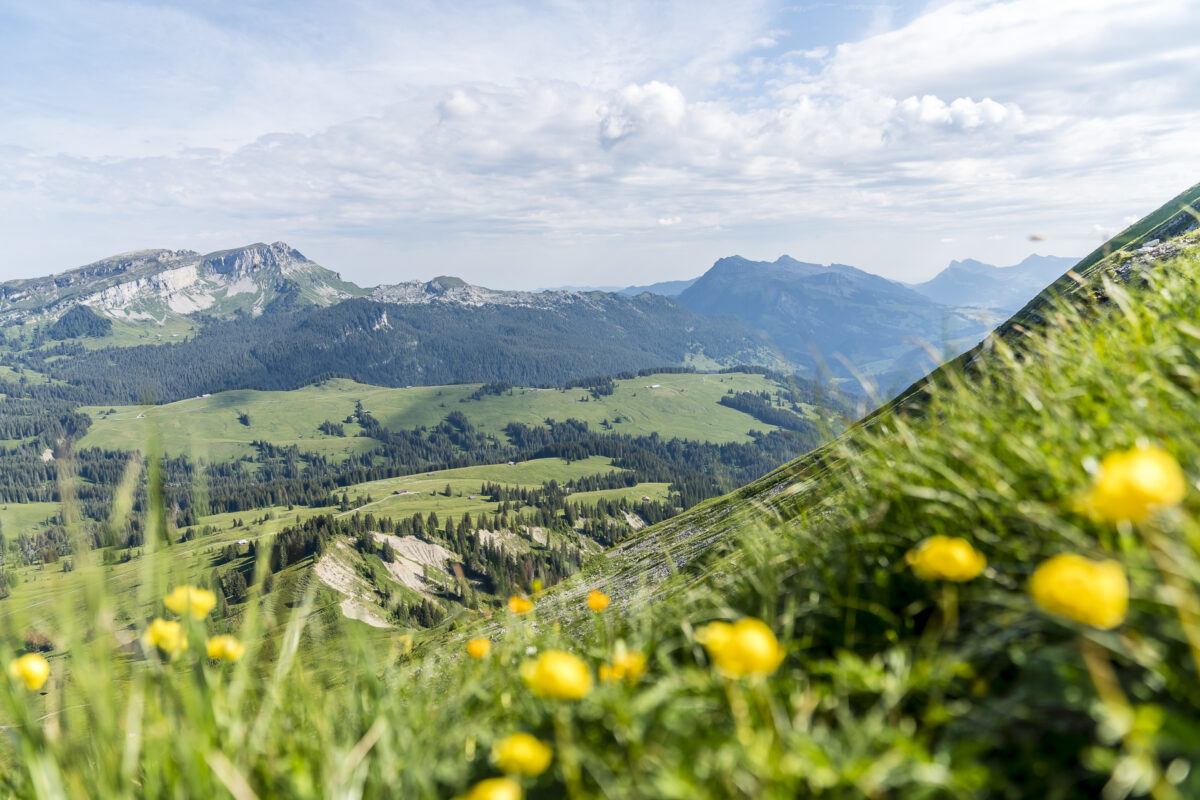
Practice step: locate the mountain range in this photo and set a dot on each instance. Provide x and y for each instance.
(787, 314)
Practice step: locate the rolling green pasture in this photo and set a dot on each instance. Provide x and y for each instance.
(683, 406)
(20, 517)
(131, 333)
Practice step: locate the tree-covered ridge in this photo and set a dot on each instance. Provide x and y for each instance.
(80, 321)
(394, 345)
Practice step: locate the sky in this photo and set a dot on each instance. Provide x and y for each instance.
(535, 144)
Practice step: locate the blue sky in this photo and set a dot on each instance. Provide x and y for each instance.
(537, 144)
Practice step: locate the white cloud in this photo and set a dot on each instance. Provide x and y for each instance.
(654, 108)
(963, 112)
(579, 127)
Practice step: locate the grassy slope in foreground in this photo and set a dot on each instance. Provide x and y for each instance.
(684, 406)
(880, 694)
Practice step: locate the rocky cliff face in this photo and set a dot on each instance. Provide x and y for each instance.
(446, 290)
(154, 284)
(249, 260)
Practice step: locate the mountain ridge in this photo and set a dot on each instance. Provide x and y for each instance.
(832, 316)
(973, 283)
(153, 284)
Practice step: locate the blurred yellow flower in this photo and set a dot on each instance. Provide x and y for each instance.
(627, 665)
(522, 754)
(747, 647)
(519, 605)
(494, 789)
(31, 669)
(225, 647)
(946, 558)
(1095, 593)
(190, 600)
(1133, 484)
(478, 648)
(597, 600)
(558, 675)
(166, 636)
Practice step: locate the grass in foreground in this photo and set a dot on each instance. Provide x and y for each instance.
(886, 664)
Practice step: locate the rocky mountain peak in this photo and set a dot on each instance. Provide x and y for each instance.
(251, 258)
(151, 284)
(444, 283)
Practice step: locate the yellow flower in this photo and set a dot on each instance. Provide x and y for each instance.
(1095, 593)
(32, 669)
(519, 605)
(225, 647)
(190, 600)
(597, 600)
(627, 665)
(494, 789)
(522, 754)
(558, 675)
(1132, 484)
(946, 558)
(747, 647)
(166, 636)
(478, 648)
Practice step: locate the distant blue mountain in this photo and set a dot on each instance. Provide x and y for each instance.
(665, 288)
(972, 283)
(833, 315)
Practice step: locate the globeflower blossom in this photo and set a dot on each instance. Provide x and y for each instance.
(627, 665)
(165, 635)
(743, 649)
(1133, 484)
(494, 789)
(1095, 593)
(557, 675)
(32, 669)
(190, 600)
(478, 648)
(225, 648)
(946, 558)
(522, 754)
(519, 605)
(597, 600)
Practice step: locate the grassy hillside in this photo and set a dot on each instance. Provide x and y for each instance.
(1111, 261)
(683, 406)
(873, 681)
